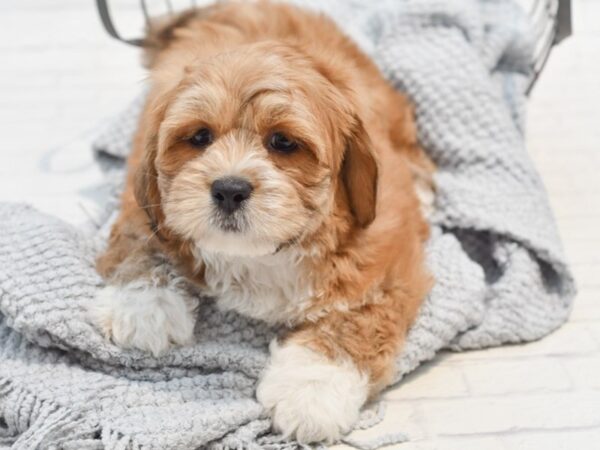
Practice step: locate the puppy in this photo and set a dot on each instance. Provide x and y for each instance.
(277, 171)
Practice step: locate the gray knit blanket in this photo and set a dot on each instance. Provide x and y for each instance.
(495, 253)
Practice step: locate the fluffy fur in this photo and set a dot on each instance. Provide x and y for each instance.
(273, 288)
(310, 396)
(140, 315)
(330, 240)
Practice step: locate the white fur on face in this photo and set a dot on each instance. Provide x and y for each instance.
(309, 397)
(273, 215)
(144, 316)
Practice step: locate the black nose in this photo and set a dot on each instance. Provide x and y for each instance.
(229, 193)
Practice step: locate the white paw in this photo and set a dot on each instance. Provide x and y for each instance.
(140, 315)
(309, 397)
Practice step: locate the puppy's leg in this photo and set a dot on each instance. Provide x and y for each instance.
(151, 312)
(144, 305)
(323, 373)
(311, 397)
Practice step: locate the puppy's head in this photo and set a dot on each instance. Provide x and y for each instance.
(250, 150)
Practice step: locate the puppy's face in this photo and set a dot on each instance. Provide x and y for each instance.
(251, 149)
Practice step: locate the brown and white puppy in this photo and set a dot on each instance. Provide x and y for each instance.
(276, 169)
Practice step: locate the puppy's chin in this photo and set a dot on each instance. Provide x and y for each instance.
(231, 243)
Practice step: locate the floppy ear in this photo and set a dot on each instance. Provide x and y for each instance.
(359, 174)
(146, 189)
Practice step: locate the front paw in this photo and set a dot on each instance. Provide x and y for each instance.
(143, 316)
(311, 398)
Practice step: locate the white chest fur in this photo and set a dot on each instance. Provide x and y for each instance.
(274, 288)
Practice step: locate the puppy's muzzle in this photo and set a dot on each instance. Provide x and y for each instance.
(229, 194)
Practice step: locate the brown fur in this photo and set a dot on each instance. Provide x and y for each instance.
(368, 260)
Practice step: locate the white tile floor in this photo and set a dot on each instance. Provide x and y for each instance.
(60, 75)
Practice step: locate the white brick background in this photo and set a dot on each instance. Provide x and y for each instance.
(60, 75)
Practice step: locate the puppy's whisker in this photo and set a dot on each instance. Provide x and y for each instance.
(155, 230)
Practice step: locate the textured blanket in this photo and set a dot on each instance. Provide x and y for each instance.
(499, 269)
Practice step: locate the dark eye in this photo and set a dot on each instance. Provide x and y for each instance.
(202, 138)
(281, 143)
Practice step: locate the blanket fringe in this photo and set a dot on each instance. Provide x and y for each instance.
(28, 422)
